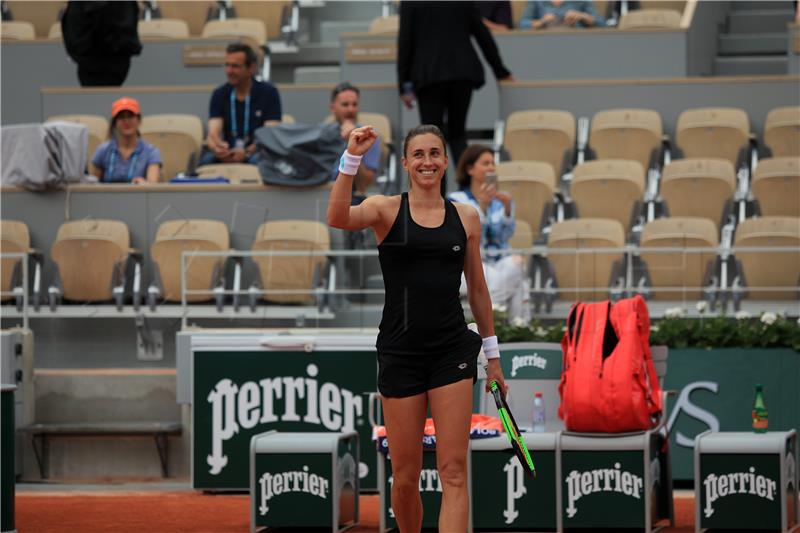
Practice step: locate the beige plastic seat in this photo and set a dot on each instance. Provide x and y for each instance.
(178, 137)
(288, 119)
(713, 132)
(684, 273)
(246, 29)
(540, 135)
(608, 188)
(698, 187)
(91, 256)
(650, 19)
(240, 173)
(585, 276)
(770, 269)
(97, 125)
(782, 131)
(523, 235)
(626, 134)
(17, 30)
(388, 24)
(14, 239)
(163, 29)
(175, 237)
(531, 185)
(776, 186)
(55, 31)
(291, 273)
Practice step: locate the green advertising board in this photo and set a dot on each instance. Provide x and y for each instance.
(715, 391)
(238, 394)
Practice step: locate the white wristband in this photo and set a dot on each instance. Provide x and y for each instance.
(348, 164)
(491, 348)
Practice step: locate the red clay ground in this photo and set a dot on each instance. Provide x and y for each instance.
(182, 512)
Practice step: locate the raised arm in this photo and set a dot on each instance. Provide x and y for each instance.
(340, 213)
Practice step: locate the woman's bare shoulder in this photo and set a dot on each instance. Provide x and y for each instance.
(469, 216)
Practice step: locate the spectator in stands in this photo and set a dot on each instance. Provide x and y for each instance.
(101, 37)
(344, 107)
(442, 78)
(238, 108)
(505, 274)
(125, 157)
(540, 14)
(495, 14)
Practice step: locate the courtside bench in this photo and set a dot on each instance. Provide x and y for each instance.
(41, 433)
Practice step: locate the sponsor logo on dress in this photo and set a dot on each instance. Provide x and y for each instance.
(252, 403)
(462, 366)
(720, 486)
(525, 361)
(580, 484)
(456, 248)
(295, 481)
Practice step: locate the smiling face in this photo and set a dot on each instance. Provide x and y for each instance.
(479, 169)
(425, 160)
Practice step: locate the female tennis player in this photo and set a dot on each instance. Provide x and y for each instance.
(426, 353)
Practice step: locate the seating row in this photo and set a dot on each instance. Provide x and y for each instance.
(95, 263)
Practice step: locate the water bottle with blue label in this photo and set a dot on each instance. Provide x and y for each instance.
(538, 413)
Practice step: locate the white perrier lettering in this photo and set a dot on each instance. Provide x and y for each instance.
(253, 402)
(719, 486)
(580, 484)
(295, 481)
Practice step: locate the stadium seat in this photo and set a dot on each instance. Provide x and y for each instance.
(15, 239)
(776, 186)
(273, 14)
(586, 276)
(713, 132)
(202, 273)
(769, 269)
(239, 28)
(301, 273)
(541, 135)
(608, 188)
(531, 185)
(55, 31)
(178, 137)
(97, 125)
(17, 30)
(383, 127)
(163, 29)
(388, 24)
(288, 119)
(782, 131)
(698, 188)
(91, 255)
(235, 172)
(650, 19)
(626, 134)
(683, 273)
(523, 235)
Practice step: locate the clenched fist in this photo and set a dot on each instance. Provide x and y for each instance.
(361, 140)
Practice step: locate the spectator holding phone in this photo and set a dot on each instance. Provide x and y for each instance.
(505, 274)
(541, 14)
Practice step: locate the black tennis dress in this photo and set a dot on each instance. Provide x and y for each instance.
(423, 341)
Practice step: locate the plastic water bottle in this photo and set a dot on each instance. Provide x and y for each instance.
(538, 413)
(760, 415)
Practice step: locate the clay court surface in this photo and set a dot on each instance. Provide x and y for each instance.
(75, 511)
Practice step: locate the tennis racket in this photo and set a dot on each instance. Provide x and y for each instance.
(512, 431)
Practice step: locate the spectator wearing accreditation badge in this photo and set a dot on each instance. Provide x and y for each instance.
(344, 107)
(505, 273)
(426, 354)
(238, 108)
(125, 157)
(540, 14)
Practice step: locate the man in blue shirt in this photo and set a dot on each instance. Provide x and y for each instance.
(344, 107)
(238, 108)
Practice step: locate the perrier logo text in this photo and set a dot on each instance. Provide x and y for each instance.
(580, 484)
(719, 486)
(295, 481)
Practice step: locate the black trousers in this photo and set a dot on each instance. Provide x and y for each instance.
(445, 105)
(103, 72)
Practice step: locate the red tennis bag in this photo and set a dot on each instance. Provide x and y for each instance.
(608, 381)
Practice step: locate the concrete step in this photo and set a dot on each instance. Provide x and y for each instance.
(330, 30)
(759, 21)
(770, 5)
(320, 74)
(733, 44)
(750, 65)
